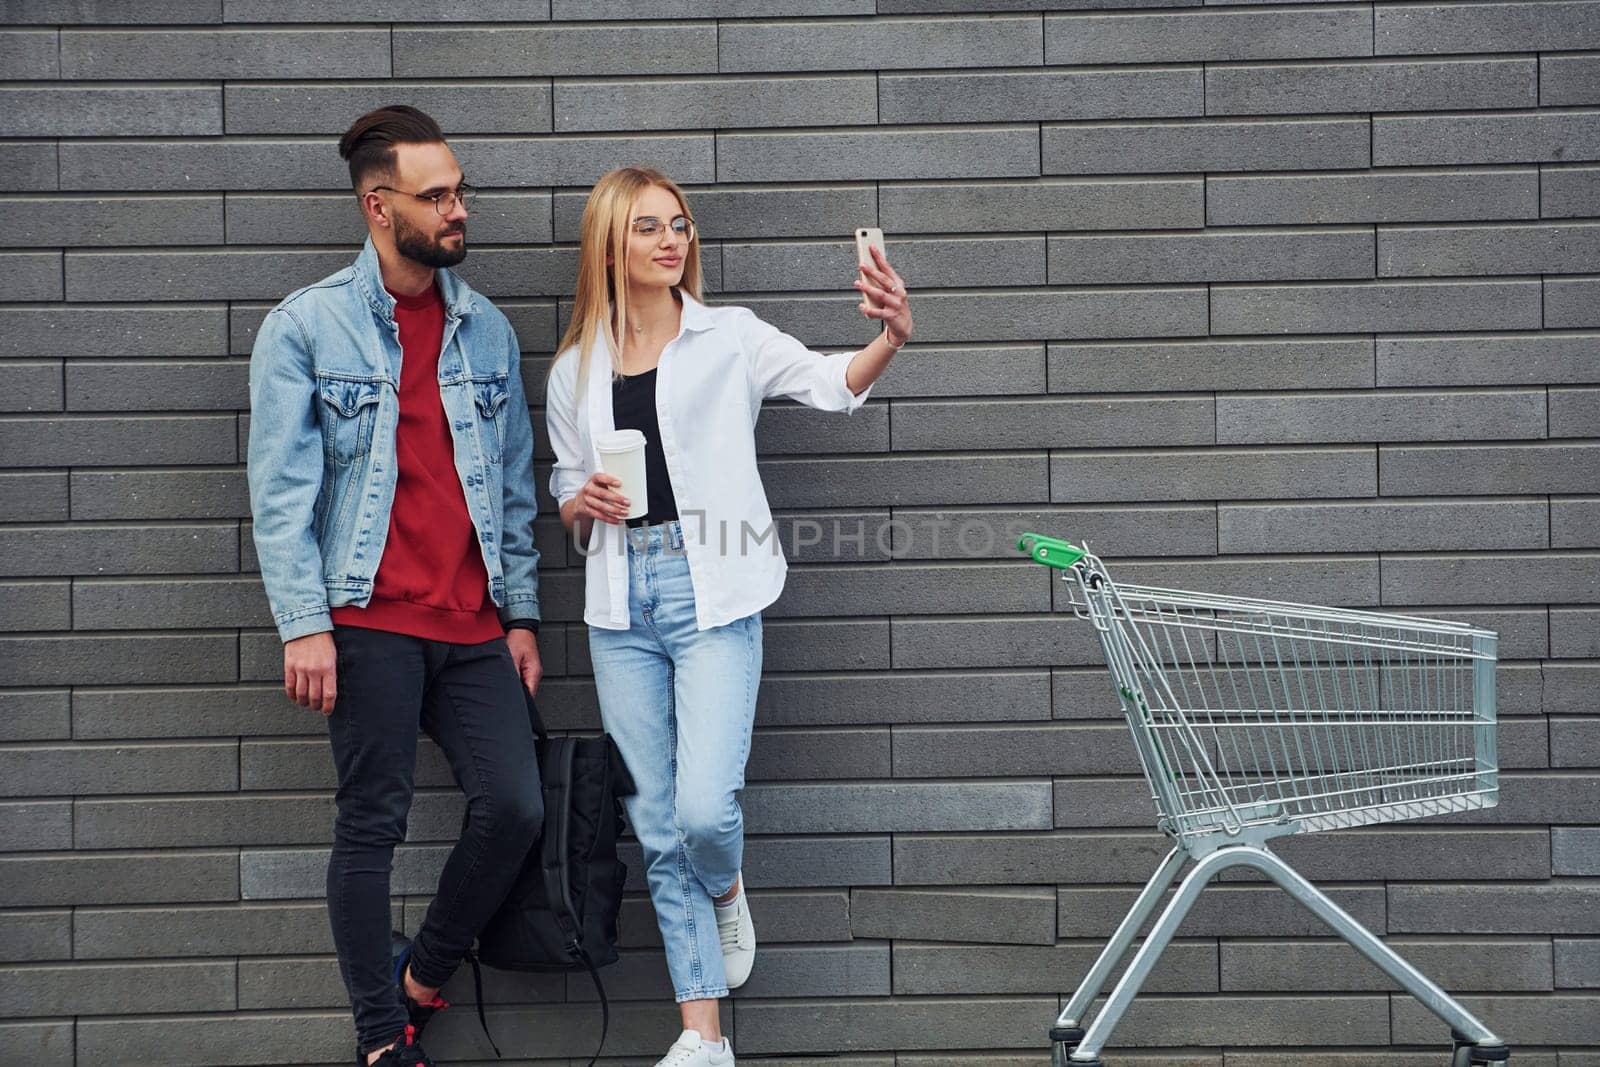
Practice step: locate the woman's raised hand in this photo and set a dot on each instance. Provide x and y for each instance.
(597, 501)
(880, 285)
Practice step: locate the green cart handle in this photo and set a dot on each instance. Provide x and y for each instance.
(1051, 551)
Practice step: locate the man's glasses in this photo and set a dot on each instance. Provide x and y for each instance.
(650, 226)
(443, 202)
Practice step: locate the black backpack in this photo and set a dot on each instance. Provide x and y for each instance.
(561, 914)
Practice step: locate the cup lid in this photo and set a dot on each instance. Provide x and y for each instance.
(620, 441)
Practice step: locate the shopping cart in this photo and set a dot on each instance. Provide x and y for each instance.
(1254, 719)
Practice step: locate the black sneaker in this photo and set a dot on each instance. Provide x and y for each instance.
(405, 1053)
(419, 1013)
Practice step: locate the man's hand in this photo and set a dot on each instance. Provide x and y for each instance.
(525, 654)
(309, 671)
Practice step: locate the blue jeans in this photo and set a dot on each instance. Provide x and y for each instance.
(680, 703)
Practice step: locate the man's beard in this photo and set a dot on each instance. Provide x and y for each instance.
(418, 246)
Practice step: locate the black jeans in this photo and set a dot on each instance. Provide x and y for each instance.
(469, 699)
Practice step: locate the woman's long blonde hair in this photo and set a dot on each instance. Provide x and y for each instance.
(605, 231)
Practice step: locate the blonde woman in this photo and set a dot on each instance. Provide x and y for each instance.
(673, 599)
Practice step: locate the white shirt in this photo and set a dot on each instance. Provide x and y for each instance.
(709, 386)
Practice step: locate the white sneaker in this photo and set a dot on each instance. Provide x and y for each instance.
(737, 932)
(690, 1051)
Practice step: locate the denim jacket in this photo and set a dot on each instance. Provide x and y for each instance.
(324, 404)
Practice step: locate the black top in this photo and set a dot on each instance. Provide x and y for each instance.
(633, 407)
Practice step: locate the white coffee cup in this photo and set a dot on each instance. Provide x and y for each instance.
(622, 456)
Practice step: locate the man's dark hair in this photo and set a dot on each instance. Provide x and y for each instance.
(369, 143)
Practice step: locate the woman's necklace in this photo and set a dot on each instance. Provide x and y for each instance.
(639, 341)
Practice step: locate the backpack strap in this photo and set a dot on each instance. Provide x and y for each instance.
(594, 976)
(599, 987)
(477, 985)
(558, 834)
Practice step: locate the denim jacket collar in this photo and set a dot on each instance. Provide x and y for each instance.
(459, 299)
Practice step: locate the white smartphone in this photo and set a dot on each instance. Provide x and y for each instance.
(868, 237)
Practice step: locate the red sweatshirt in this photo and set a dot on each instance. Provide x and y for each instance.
(431, 582)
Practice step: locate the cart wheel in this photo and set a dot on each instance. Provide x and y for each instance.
(1468, 1055)
(1063, 1039)
(1067, 1035)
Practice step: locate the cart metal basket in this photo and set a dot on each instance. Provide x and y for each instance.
(1256, 718)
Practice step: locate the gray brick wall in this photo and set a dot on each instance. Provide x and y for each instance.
(1285, 297)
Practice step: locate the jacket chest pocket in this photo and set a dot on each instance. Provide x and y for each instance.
(349, 414)
(489, 398)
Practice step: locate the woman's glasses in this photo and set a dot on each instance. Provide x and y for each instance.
(650, 226)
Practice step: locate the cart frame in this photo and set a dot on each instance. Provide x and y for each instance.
(1415, 738)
